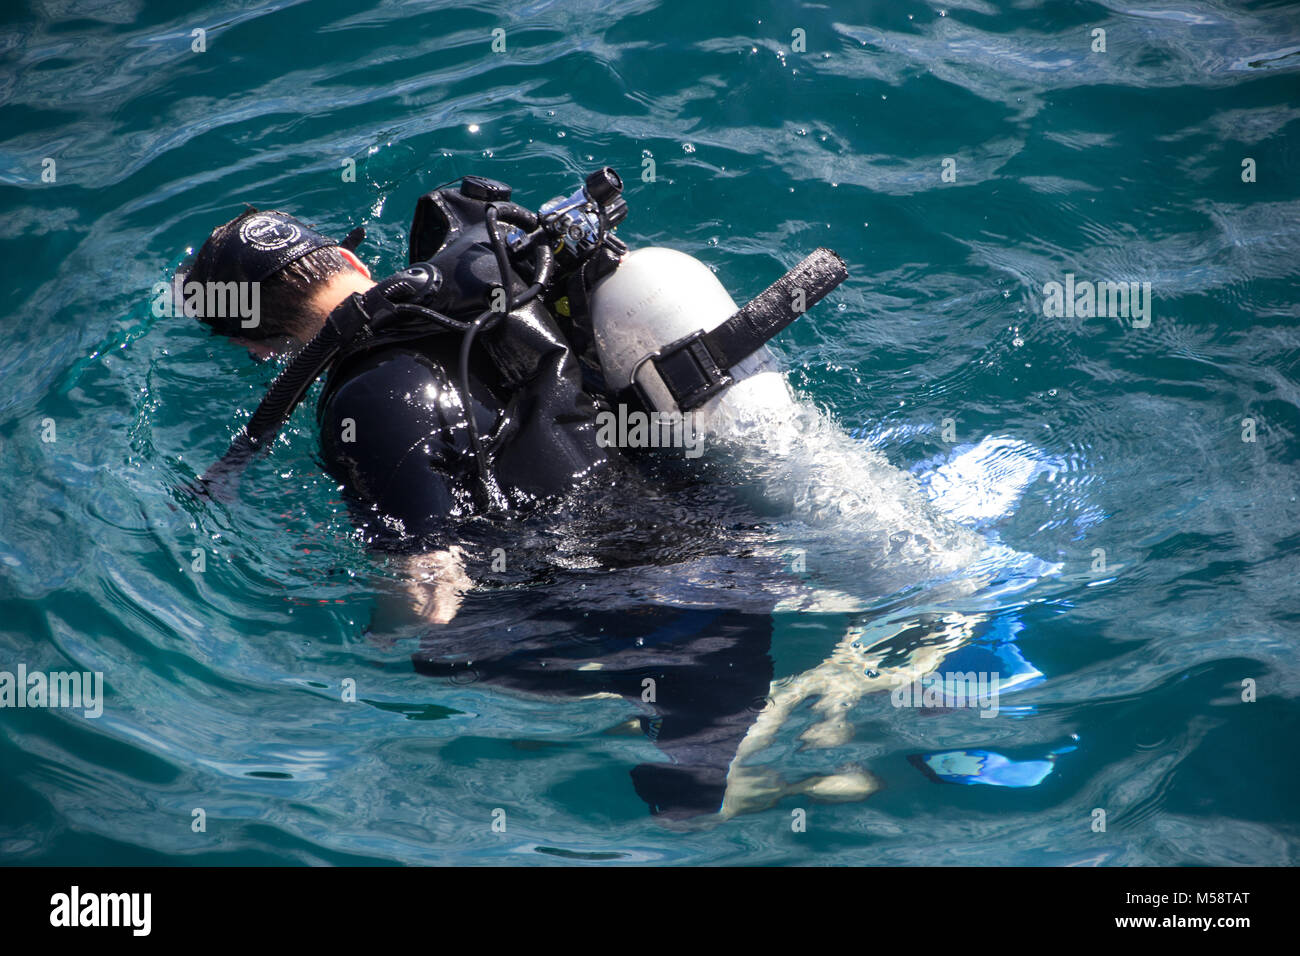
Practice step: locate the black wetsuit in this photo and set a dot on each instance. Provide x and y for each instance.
(411, 462)
(409, 459)
(408, 472)
(698, 675)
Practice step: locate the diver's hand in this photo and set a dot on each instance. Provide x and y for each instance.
(437, 583)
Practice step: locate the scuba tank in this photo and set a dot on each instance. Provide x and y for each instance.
(672, 340)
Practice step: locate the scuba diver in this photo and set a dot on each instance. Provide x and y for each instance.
(470, 384)
(419, 425)
(413, 443)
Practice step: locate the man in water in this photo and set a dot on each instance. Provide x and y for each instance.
(395, 433)
(393, 423)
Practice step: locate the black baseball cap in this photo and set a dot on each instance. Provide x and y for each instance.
(261, 245)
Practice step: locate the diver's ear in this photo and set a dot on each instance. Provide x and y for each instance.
(353, 261)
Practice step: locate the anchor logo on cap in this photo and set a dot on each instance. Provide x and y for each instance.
(269, 232)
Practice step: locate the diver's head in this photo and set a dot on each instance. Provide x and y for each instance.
(295, 275)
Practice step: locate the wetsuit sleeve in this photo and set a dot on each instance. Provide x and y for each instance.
(394, 433)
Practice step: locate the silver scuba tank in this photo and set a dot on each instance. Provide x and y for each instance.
(785, 456)
(656, 297)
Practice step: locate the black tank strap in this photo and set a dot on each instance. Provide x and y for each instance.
(776, 307)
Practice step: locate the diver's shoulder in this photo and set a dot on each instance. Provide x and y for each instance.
(385, 374)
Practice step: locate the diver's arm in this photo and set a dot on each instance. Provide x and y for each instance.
(392, 437)
(393, 433)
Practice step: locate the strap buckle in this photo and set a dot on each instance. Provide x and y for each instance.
(688, 369)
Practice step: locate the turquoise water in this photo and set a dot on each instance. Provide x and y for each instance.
(1113, 454)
